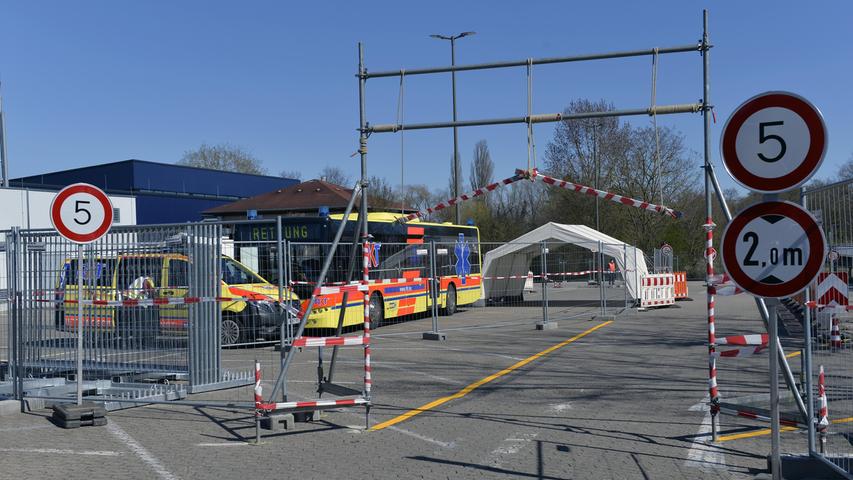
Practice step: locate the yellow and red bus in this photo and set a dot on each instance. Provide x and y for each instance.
(400, 275)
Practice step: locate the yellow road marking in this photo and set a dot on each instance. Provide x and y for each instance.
(766, 431)
(793, 354)
(479, 383)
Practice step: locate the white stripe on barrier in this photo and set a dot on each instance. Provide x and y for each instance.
(657, 290)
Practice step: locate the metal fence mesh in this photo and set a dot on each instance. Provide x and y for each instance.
(832, 325)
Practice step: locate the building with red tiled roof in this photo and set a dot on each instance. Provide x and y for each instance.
(303, 199)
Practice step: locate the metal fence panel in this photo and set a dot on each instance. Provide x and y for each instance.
(832, 327)
(150, 313)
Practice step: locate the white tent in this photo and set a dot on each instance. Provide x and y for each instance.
(515, 257)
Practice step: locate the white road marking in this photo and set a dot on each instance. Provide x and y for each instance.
(416, 373)
(16, 429)
(230, 444)
(423, 437)
(140, 451)
(703, 455)
(510, 446)
(560, 407)
(62, 451)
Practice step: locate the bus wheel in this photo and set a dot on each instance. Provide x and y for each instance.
(450, 300)
(231, 331)
(377, 310)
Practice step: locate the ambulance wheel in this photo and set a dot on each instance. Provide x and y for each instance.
(450, 301)
(377, 310)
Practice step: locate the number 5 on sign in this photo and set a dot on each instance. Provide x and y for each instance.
(774, 142)
(82, 213)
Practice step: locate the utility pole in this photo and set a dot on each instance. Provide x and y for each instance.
(455, 173)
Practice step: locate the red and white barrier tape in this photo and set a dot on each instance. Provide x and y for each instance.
(461, 198)
(152, 302)
(631, 202)
(823, 412)
(328, 341)
(813, 304)
(745, 340)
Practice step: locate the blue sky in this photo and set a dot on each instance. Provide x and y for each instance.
(100, 81)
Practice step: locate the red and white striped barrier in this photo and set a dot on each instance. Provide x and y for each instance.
(657, 290)
(312, 404)
(681, 291)
(755, 416)
(739, 351)
(724, 285)
(823, 411)
(328, 341)
(461, 198)
(631, 202)
(745, 340)
(835, 334)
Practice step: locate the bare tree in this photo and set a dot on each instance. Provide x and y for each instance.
(223, 156)
(381, 195)
(482, 168)
(846, 170)
(294, 174)
(335, 175)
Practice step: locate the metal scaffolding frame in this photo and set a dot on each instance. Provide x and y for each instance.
(712, 186)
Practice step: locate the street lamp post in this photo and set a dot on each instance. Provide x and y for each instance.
(455, 173)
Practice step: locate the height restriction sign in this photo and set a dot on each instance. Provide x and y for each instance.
(773, 249)
(774, 142)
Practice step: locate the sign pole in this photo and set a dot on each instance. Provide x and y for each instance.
(773, 327)
(81, 213)
(79, 324)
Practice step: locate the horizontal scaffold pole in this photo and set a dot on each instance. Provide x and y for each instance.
(541, 118)
(696, 47)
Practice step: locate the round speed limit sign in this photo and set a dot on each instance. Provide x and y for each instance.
(774, 142)
(773, 249)
(82, 213)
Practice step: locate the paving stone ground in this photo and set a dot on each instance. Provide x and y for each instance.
(623, 402)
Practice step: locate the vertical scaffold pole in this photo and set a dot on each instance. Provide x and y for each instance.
(362, 150)
(710, 253)
(807, 354)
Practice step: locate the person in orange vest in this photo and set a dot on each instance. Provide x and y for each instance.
(611, 267)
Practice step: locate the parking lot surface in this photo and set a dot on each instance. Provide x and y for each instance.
(590, 399)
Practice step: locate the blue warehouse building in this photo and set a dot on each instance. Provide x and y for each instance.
(164, 193)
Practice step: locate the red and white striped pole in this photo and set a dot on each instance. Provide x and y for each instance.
(465, 196)
(713, 392)
(823, 412)
(631, 202)
(259, 399)
(368, 381)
